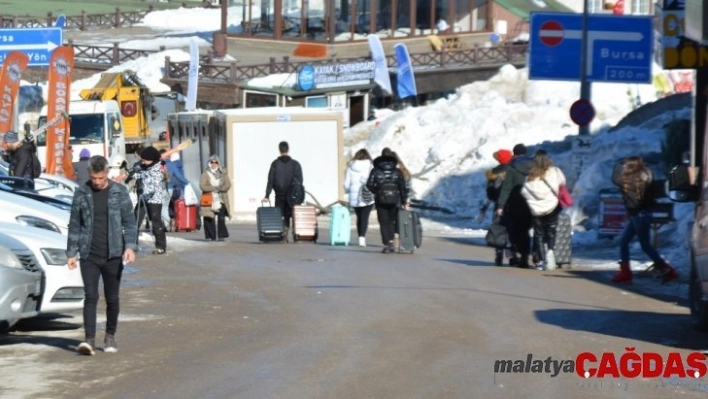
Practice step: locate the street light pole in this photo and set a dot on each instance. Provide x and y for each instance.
(584, 130)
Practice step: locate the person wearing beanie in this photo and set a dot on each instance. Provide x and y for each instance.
(21, 155)
(512, 206)
(153, 195)
(495, 179)
(81, 172)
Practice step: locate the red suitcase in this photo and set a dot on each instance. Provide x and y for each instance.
(185, 216)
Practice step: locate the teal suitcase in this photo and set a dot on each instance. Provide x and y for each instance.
(340, 226)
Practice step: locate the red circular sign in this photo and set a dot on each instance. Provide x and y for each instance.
(582, 112)
(551, 33)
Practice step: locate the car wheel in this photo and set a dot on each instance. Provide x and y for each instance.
(699, 308)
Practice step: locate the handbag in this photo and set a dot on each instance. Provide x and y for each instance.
(205, 200)
(563, 195)
(497, 236)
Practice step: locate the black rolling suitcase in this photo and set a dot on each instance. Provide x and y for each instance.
(563, 251)
(410, 231)
(270, 223)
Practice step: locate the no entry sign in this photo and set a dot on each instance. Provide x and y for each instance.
(582, 112)
(551, 33)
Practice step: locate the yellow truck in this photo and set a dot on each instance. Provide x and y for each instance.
(134, 101)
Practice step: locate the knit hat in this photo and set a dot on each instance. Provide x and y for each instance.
(519, 149)
(150, 154)
(503, 156)
(85, 153)
(11, 137)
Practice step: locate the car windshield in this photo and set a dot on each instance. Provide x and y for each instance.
(85, 129)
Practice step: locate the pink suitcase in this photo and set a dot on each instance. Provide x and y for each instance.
(305, 223)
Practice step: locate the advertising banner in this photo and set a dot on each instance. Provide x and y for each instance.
(61, 65)
(15, 63)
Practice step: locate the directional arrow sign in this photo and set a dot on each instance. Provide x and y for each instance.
(619, 47)
(36, 43)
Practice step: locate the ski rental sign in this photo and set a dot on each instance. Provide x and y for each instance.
(36, 43)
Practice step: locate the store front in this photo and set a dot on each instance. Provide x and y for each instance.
(332, 21)
(344, 87)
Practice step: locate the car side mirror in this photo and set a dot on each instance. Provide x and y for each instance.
(680, 187)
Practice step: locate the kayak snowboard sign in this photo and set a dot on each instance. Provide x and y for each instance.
(582, 112)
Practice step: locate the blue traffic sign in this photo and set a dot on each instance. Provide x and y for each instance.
(619, 47)
(36, 43)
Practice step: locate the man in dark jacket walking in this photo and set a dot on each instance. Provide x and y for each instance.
(389, 187)
(101, 230)
(280, 176)
(512, 206)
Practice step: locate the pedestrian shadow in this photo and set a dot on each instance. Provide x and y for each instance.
(48, 322)
(642, 284)
(470, 262)
(67, 344)
(668, 329)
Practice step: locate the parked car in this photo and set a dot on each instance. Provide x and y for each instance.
(49, 185)
(62, 289)
(20, 282)
(29, 212)
(31, 193)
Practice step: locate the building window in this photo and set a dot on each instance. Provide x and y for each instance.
(316, 102)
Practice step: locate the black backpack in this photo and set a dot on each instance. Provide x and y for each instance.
(388, 193)
(296, 193)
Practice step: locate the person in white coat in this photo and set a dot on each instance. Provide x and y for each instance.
(541, 193)
(360, 198)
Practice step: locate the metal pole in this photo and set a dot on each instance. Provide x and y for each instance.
(584, 84)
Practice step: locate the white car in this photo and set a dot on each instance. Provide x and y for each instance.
(20, 282)
(28, 212)
(49, 185)
(63, 289)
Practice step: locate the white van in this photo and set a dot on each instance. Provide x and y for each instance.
(95, 125)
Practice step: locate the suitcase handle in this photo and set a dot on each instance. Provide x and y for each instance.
(268, 201)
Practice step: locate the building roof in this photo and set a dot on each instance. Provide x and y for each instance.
(523, 8)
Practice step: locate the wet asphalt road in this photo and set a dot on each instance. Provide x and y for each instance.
(240, 319)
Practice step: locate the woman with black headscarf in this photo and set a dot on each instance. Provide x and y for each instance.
(215, 182)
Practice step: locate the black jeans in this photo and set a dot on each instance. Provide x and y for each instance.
(211, 228)
(282, 203)
(387, 215)
(544, 232)
(362, 219)
(154, 212)
(91, 270)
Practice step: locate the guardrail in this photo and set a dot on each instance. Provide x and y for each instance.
(232, 72)
(115, 55)
(85, 21)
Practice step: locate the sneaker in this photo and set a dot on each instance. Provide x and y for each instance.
(540, 267)
(158, 251)
(87, 347)
(109, 344)
(362, 241)
(386, 250)
(550, 260)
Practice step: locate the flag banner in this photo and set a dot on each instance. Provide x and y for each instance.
(381, 76)
(15, 63)
(61, 65)
(193, 79)
(406, 80)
